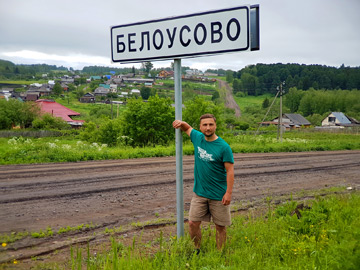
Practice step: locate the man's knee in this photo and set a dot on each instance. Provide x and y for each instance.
(220, 228)
(194, 224)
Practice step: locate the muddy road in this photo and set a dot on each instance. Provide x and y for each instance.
(114, 193)
(33, 197)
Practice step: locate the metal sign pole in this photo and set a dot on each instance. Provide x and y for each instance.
(179, 151)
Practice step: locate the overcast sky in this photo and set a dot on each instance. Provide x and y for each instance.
(77, 33)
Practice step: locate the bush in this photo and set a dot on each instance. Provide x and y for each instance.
(49, 122)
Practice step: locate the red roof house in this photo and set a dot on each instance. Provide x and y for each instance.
(58, 110)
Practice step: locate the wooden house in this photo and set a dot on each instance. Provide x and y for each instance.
(289, 121)
(87, 98)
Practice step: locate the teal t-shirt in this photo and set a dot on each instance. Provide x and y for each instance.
(210, 173)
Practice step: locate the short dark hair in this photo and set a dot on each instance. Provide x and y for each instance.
(207, 115)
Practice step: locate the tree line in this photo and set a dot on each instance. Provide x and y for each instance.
(265, 78)
(9, 70)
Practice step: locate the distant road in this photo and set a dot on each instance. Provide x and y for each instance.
(229, 98)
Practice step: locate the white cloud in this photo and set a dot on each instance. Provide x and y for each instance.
(77, 33)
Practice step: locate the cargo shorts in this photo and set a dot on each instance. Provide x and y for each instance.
(203, 209)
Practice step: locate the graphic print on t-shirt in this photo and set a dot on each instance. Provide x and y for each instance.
(204, 155)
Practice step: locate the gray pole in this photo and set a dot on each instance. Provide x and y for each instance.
(280, 118)
(179, 151)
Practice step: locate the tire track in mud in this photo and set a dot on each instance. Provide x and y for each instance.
(161, 172)
(109, 187)
(238, 173)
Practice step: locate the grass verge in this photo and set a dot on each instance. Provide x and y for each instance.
(325, 236)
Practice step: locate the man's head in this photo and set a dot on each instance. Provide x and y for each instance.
(208, 125)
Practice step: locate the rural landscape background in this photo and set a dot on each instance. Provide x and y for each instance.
(126, 113)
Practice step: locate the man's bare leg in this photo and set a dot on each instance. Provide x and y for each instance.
(220, 236)
(195, 232)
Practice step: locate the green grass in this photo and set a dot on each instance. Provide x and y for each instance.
(22, 82)
(326, 236)
(249, 101)
(20, 150)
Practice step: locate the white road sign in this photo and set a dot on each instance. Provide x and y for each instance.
(207, 33)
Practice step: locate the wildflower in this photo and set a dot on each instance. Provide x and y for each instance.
(3, 244)
(15, 261)
(52, 145)
(66, 147)
(12, 141)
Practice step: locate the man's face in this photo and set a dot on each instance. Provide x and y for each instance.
(208, 127)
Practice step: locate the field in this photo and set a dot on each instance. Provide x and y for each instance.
(250, 101)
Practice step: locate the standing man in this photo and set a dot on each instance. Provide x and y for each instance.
(213, 179)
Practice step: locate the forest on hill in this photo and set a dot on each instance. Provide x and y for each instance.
(265, 78)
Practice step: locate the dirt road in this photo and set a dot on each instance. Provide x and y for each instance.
(118, 192)
(229, 99)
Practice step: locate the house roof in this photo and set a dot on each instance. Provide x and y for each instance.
(101, 90)
(57, 110)
(297, 119)
(341, 117)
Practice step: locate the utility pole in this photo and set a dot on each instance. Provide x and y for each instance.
(281, 91)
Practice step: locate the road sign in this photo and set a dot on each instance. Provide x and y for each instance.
(199, 34)
(213, 32)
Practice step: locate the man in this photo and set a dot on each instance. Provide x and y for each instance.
(213, 179)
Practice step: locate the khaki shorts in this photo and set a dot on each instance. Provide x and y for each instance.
(203, 209)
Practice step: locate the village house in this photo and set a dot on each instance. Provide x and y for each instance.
(138, 80)
(67, 80)
(87, 98)
(339, 120)
(37, 90)
(135, 92)
(58, 110)
(166, 74)
(101, 91)
(289, 121)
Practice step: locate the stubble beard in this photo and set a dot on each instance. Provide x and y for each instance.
(209, 135)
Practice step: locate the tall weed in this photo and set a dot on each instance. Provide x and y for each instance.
(325, 236)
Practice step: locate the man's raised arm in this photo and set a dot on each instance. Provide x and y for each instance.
(183, 126)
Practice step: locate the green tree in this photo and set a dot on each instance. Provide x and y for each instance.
(57, 89)
(79, 93)
(229, 76)
(145, 92)
(147, 66)
(249, 83)
(199, 106)
(89, 132)
(148, 123)
(266, 103)
(215, 96)
(236, 86)
(109, 132)
(293, 98)
(47, 121)
(14, 112)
